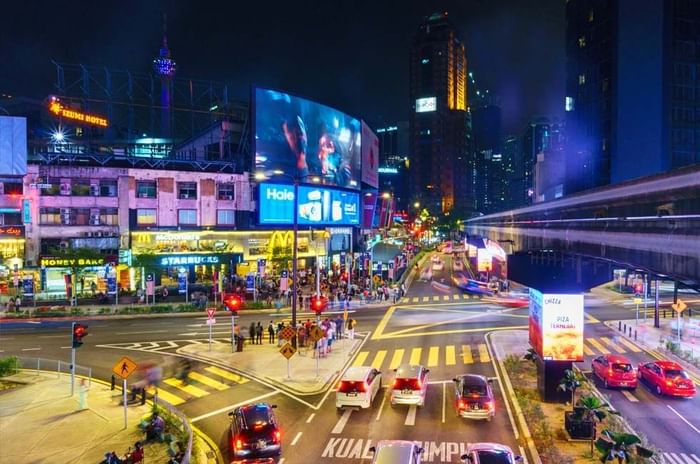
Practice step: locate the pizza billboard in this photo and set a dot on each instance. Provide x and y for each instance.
(556, 326)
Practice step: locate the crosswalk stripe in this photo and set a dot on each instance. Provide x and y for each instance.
(450, 358)
(634, 348)
(433, 356)
(612, 344)
(396, 359)
(226, 374)
(690, 458)
(483, 353)
(379, 359)
(436, 298)
(166, 396)
(415, 355)
(446, 297)
(361, 358)
(668, 458)
(208, 381)
(415, 299)
(191, 389)
(465, 297)
(455, 296)
(587, 351)
(405, 300)
(426, 299)
(596, 344)
(695, 458)
(467, 354)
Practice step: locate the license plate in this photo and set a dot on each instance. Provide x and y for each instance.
(682, 386)
(262, 443)
(475, 406)
(351, 393)
(406, 392)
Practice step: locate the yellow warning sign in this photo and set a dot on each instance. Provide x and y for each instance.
(124, 367)
(679, 306)
(316, 333)
(287, 350)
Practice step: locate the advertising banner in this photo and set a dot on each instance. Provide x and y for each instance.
(535, 321)
(306, 139)
(150, 285)
(556, 326)
(276, 203)
(316, 206)
(369, 204)
(250, 283)
(370, 156)
(182, 283)
(28, 285)
(483, 260)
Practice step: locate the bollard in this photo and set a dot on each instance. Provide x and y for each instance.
(630, 331)
(143, 396)
(664, 314)
(113, 381)
(625, 328)
(619, 325)
(635, 335)
(134, 392)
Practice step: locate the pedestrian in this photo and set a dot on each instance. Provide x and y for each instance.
(271, 333)
(331, 337)
(18, 303)
(351, 328)
(93, 287)
(82, 395)
(165, 293)
(339, 326)
(82, 284)
(252, 333)
(259, 333)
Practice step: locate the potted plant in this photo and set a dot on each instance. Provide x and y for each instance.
(590, 411)
(571, 381)
(618, 446)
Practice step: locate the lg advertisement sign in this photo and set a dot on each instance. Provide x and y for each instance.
(556, 326)
(316, 206)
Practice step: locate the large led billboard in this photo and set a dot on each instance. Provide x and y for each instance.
(426, 105)
(556, 326)
(306, 140)
(370, 157)
(320, 206)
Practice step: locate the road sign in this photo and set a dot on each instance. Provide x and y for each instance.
(124, 367)
(316, 333)
(211, 312)
(637, 300)
(287, 350)
(679, 306)
(211, 321)
(287, 333)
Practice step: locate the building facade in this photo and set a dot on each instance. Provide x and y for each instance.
(488, 158)
(394, 162)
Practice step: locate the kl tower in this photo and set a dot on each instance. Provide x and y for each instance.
(164, 67)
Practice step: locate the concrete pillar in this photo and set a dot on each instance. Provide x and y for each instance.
(656, 304)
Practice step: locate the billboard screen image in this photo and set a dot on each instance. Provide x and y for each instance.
(556, 326)
(276, 204)
(306, 139)
(316, 205)
(370, 157)
(426, 105)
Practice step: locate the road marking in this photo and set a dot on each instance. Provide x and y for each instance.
(396, 359)
(446, 297)
(361, 358)
(43, 336)
(433, 356)
(415, 299)
(591, 319)
(296, 438)
(455, 296)
(467, 354)
(142, 332)
(170, 345)
(483, 353)
(426, 299)
(596, 344)
(411, 415)
(379, 359)
(311, 417)
(31, 349)
(630, 396)
(226, 374)
(281, 461)
(587, 351)
(436, 298)
(450, 358)
(167, 396)
(634, 348)
(191, 389)
(208, 381)
(66, 347)
(444, 400)
(231, 407)
(683, 419)
(381, 407)
(415, 355)
(689, 458)
(340, 425)
(612, 344)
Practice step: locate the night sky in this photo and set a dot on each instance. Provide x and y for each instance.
(349, 54)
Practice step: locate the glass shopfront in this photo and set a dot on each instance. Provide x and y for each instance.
(11, 258)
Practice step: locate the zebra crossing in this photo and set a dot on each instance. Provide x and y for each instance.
(438, 298)
(681, 458)
(200, 383)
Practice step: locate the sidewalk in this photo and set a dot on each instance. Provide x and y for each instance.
(266, 363)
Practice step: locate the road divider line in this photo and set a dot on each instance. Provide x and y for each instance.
(444, 400)
(230, 407)
(31, 349)
(142, 332)
(415, 355)
(66, 347)
(296, 438)
(311, 417)
(627, 394)
(411, 415)
(381, 407)
(340, 425)
(433, 356)
(683, 419)
(396, 359)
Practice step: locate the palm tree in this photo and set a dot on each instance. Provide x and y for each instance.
(619, 445)
(571, 381)
(593, 410)
(530, 355)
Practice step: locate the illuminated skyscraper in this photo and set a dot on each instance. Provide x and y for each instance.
(439, 135)
(164, 67)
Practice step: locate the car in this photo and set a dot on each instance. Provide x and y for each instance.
(474, 397)
(358, 387)
(666, 378)
(410, 385)
(254, 432)
(490, 453)
(396, 452)
(614, 371)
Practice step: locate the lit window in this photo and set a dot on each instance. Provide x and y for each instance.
(591, 16)
(146, 189)
(109, 216)
(226, 191)
(108, 188)
(425, 61)
(569, 104)
(225, 217)
(146, 217)
(582, 41)
(187, 217)
(187, 190)
(581, 79)
(49, 216)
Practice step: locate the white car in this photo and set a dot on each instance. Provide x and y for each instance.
(490, 453)
(358, 387)
(396, 452)
(410, 385)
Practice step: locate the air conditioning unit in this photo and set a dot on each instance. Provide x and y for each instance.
(87, 234)
(65, 215)
(98, 234)
(65, 189)
(94, 190)
(64, 244)
(94, 219)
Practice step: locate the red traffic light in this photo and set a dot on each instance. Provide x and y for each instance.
(232, 302)
(637, 288)
(319, 304)
(79, 331)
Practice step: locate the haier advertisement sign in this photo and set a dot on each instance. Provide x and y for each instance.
(316, 206)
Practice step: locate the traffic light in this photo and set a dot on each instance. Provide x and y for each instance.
(232, 302)
(638, 288)
(79, 331)
(319, 304)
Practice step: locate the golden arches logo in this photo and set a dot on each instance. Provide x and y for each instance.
(281, 240)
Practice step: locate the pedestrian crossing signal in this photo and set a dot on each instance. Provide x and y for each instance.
(319, 304)
(232, 302)
(79, 331)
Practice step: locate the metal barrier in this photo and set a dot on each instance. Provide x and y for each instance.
(185, 425)
(58, 366)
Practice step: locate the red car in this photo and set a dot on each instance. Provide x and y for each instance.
(666, 378)
(615, 371)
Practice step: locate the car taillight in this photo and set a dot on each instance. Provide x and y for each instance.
(239, 444)
(461, 404)
(395, 385)
(669, 383)
(364, 387)
(419, 385)
(278, 436)
(488, 405)
(610, 372)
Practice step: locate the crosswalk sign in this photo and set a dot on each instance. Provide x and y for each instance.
(316, 333)
(287, 350)
(124, 367)
(679, 306)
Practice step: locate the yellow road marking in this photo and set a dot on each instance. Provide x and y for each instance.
(415, 355)
(483, 353)
(209, 382)
(376, 335)
(396, 359)
(405, 300)
(415, 299)
(191, 389)
(450, 358)
(433, 355)
(455, 296)
(465, 297)
(587, 351)
(598, 346)
(164, 395)
(226, 374)
(634, 348)
(446, 297)
(467, 354)
(436, 298)
(379, 359)
(426, 299)
(361, 358)
(591, 318)
(612, 344)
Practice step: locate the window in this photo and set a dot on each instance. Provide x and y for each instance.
(108, 188)
(226, 191)
(11, 188)
(582, 41)
(187, 190)
(187, 217)
(49, 216)
(146, 189)
(146, 217)
(109, 216)
(80, 216)
(80, 187)
(591, 16)
(10, 219)
(225, 217)
(581, 79)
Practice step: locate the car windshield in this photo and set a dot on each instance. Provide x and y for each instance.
(494, 457)
(676, 373)
(620, 367)
(256, 416)
(474, 390)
